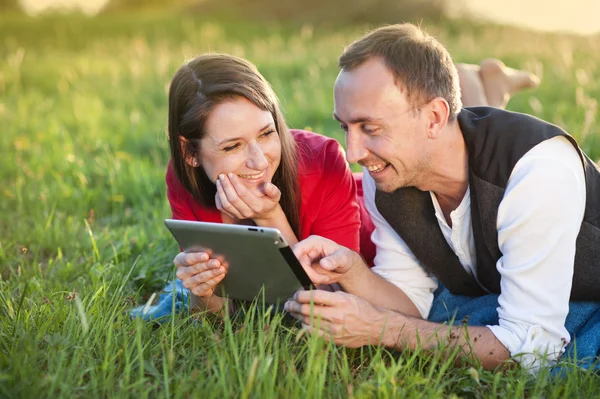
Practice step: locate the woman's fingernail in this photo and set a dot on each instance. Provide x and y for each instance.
(221, 176)
(230, 175)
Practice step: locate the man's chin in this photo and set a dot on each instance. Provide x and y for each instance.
(387, 187)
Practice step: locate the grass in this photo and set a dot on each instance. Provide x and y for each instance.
(83, 110)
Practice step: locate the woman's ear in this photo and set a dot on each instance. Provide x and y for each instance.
(188, 152)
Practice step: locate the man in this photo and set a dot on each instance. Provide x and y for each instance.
(481, 200)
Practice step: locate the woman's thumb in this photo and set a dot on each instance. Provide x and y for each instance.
(271, 191)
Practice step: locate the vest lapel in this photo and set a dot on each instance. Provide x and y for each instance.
(485, 200)
(411, 214)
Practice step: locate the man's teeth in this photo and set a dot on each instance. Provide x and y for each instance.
(376, 168)
(253, 177)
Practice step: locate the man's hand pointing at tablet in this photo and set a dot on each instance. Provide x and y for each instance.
(326, 262)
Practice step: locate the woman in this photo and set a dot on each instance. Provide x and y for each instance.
(234, 160)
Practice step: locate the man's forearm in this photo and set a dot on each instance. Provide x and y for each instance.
(401, 332)
(373, 288)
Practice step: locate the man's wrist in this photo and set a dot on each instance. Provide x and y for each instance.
(356, 272)
(392, 330)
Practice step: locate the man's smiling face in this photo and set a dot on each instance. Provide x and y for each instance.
(385, 133)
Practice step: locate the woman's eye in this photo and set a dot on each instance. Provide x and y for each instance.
(267, 133)
(231, 147)
(343, 127)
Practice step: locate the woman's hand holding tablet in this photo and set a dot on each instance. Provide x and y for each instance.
(199, 273)
(237, 261)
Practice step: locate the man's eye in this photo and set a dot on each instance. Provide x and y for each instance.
(369, 129)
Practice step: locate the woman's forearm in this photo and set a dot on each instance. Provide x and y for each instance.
(213, 304)
(279, 221)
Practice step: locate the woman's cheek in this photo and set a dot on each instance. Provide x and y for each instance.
(274, 155)
(228, 164)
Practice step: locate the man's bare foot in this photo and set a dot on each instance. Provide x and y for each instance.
(501, 82)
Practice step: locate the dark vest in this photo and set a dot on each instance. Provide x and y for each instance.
(495, 140)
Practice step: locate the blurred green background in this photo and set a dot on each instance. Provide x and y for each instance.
(83, 111)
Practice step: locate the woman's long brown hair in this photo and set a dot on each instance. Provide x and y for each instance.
(196, 89)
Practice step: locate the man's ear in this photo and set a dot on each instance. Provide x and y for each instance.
(188, 152)
(437, 116)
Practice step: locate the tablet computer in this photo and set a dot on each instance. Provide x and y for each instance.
(258, 258)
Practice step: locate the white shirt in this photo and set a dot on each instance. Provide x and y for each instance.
(538, 222)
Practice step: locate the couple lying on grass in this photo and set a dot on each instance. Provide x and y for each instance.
(459, 201)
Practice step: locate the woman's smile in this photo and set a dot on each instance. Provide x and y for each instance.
(253, 177)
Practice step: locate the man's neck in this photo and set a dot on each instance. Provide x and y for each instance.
(449, 173)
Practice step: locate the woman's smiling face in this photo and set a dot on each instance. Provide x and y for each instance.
(241, 139)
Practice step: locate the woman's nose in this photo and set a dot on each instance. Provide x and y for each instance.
(256, 158)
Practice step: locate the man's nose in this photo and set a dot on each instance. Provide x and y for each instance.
(256, 158)
(355, 148)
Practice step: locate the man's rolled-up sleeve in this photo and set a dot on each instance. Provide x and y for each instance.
(538, 223)
(394, 260)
